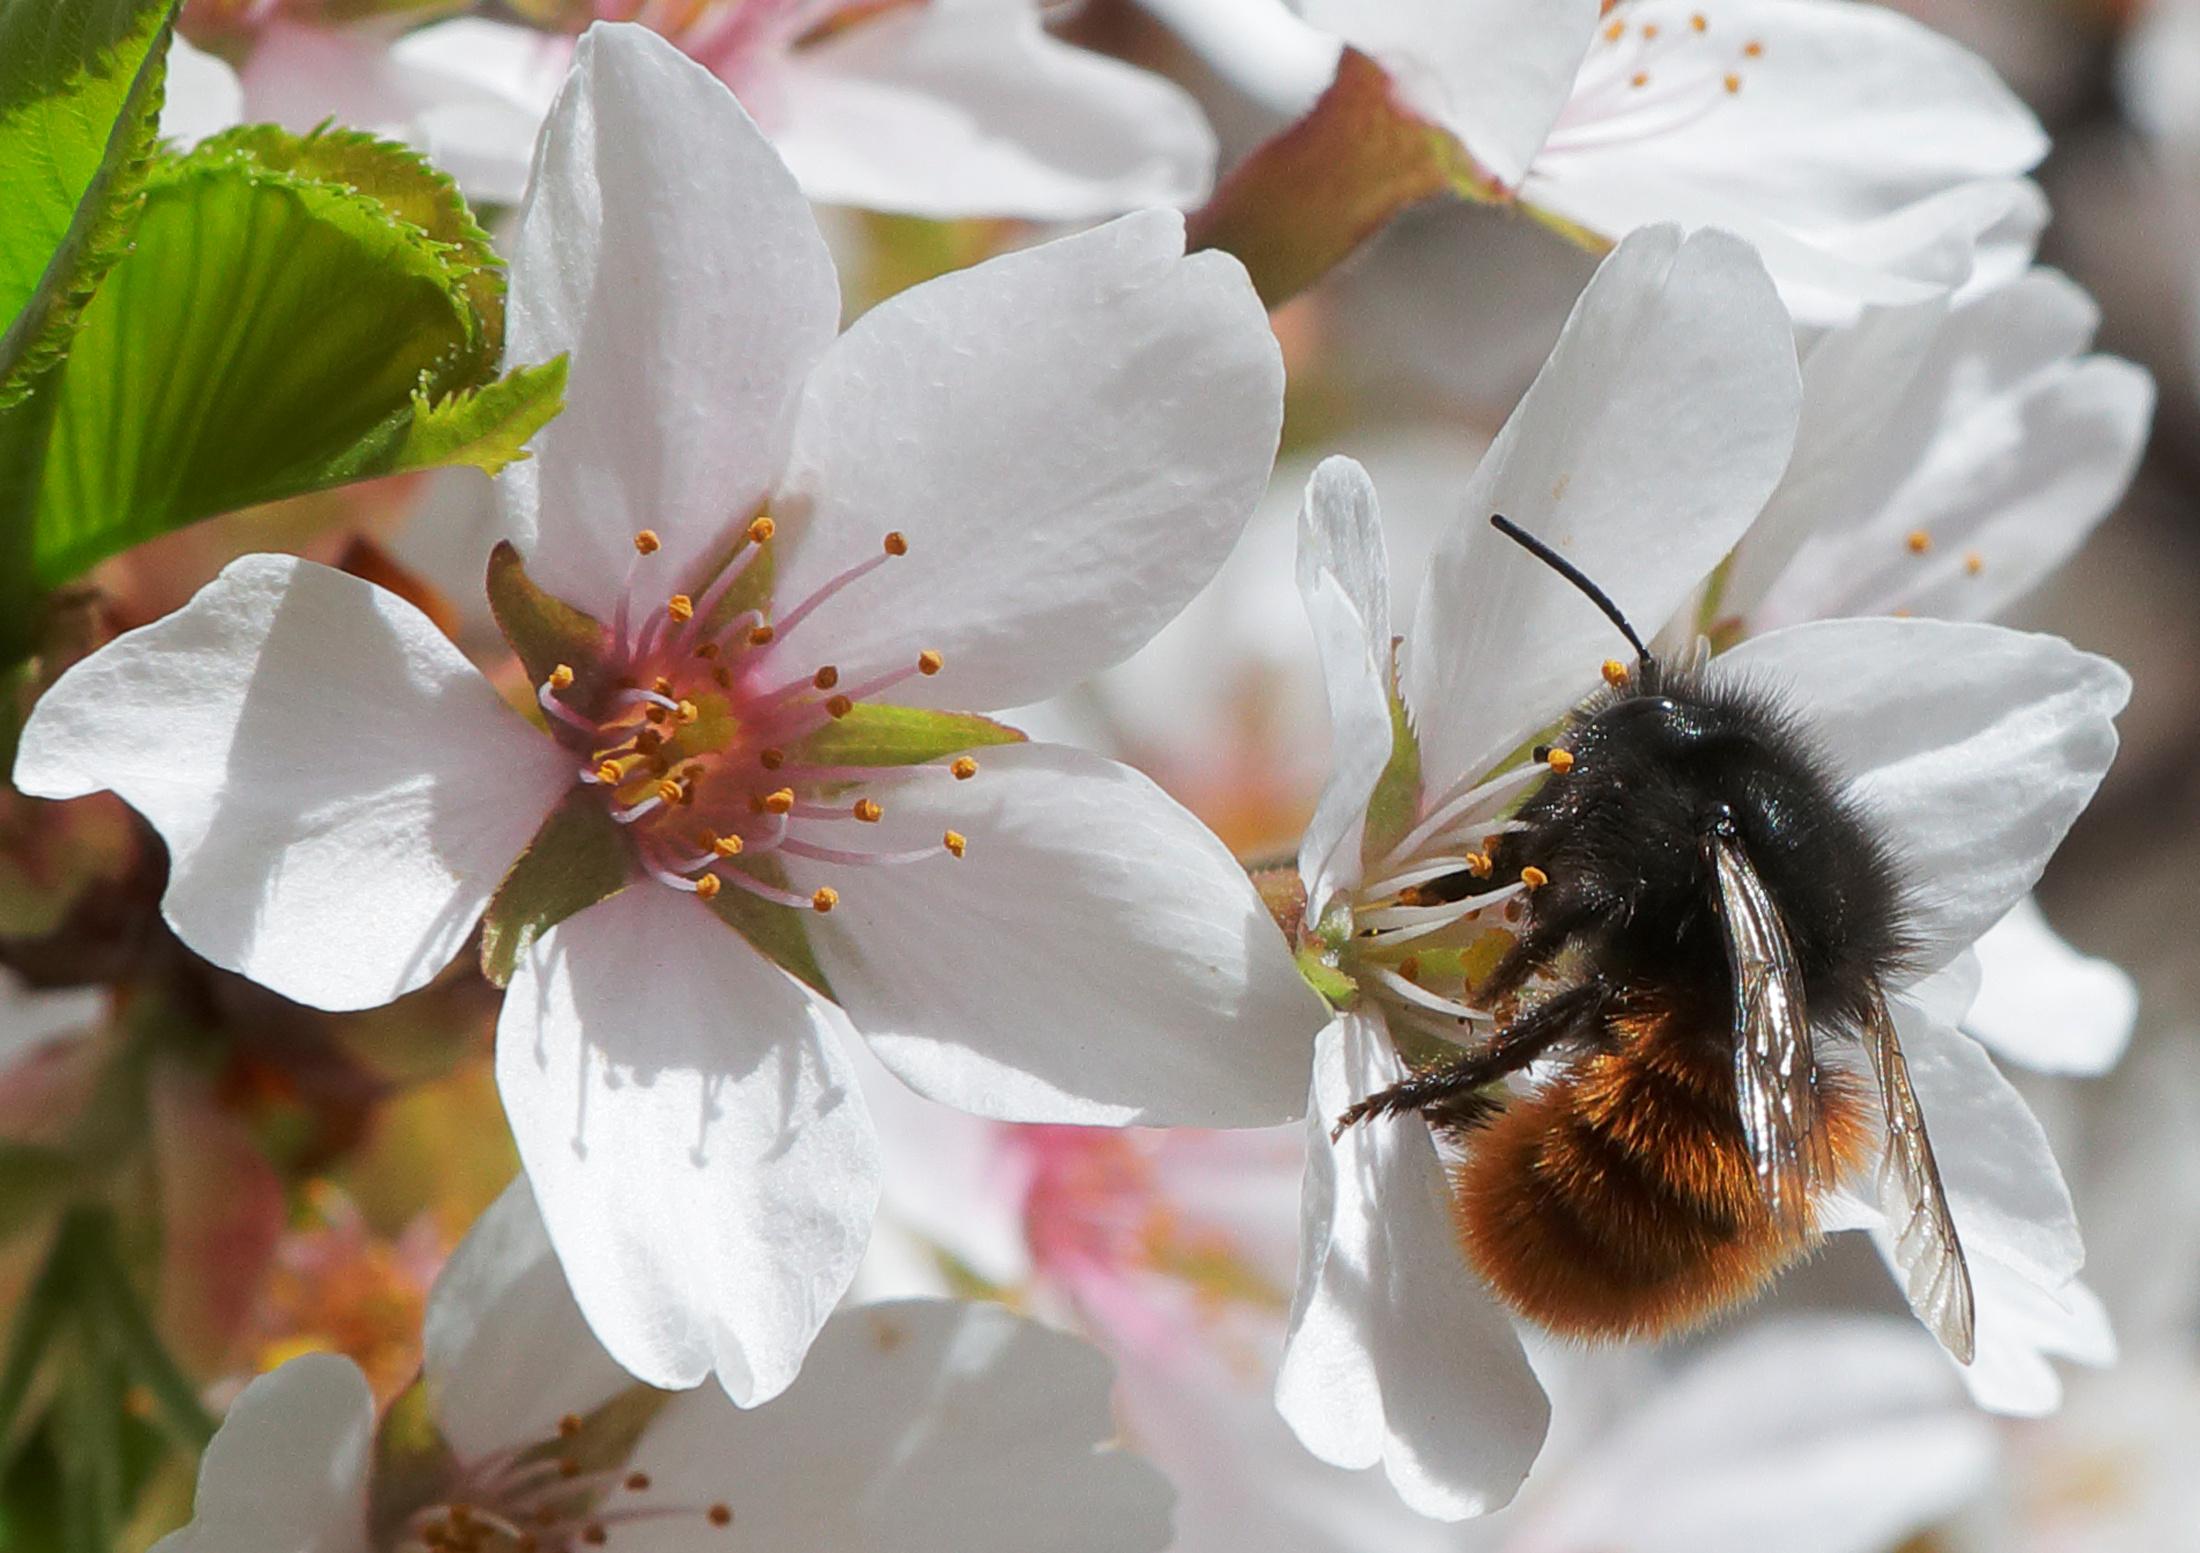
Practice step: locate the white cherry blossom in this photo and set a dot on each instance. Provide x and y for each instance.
(1867, 158)
(946, 108)
(1672, 390)
(919, 1426)
(756, 557)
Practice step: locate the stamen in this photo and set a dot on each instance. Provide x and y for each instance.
(637, 1482)
(825, 899)
(780, 802)
(1974, 563)
(570, 1424)
(1421, 997)
(929, 662)
(762, 529)
(1699, 22)
(1639, 79)
(868, 811)
(646, 541)
(1753, 49)
(826, 678)
(771, 758)
(648, 805)
(561, 677)
(964, 768)
(726, 846)
(681, 608)
(1919, 541)
(1733, 83)
(895, 544)
(707, 888)
(1560, 761)
(838, 707)
(719, 1515)
(1452, 809)
(955, 842)
(1533, 878)
(553, 707)
(760, 636)
(1615, 673)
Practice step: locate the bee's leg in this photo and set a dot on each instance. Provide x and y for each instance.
(1452, 1095)
(1567, 909)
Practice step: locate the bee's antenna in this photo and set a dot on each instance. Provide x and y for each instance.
(1573, 574)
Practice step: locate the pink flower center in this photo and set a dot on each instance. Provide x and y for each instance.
(697, 743)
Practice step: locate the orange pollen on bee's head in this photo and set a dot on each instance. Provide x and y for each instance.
(1918, 541)
(780, 802)
(929, 662)
(1615, 673)
(762, 529)
(681, 608)
(646, 542)
(825, 899)
(964, 768)
(955, 842)
(561, 677)
(868, 811)
(1560, 761)
(895, 543)
(1533, 877)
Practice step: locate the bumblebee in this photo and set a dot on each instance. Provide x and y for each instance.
(1716, 921)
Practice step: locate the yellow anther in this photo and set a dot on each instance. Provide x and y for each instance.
(726, 846)
(609, 773)
(1700, 22)
(838, 706)
(661, 685)
(1560, 761)
(1753, 49)
(1410, 967)
(955, 842)
(646, 542)
(929, 662)
(1615, 31)
(1649, 31)
(826, 678)
(637, 1482)
(895, 544)
(1615, 673)
(781, 802)
(760, 636)
(681, 608)
(964, 768)
(1733, 83)
(707, 650)
(762, 529)
(569, 1425)
(1919, 541)
(868, 811)
(706, 888)
(825, 899)
(688, 712)
(1533, 877)
(1974, 563)
(719, 1515)
(771, 759)
(561, 677)
(1640, 78)
(1479, 864)
(668, 790)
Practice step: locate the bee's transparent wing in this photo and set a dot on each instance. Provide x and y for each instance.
(1775, 1071)
(1925, 1246)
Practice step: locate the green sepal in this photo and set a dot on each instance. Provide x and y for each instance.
(1336, 988)
(781, 934)
(1301, 203)
(576, 859)
(543, 629)
(80, 94)
(1395, 804)
(413, 1463)
(874, 734)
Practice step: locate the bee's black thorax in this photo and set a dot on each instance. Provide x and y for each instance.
(1620, 835)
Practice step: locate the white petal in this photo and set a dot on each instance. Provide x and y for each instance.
(701, 1153)
(2045, 1004)
(31, 1018)
(948, 1427)
(1396, 1354)
(1344, 579)
(339, 789)
(1098, 956)
(1260, 47)
(1819, 1434)
(507, 1352)
(694, 293)
(1646, 446)
(2021, 1326)
(203, 95)
(1071, 438)
(970, 108)
(482, 90)
(288, 1471)
(1972, 747)
(1493, 72)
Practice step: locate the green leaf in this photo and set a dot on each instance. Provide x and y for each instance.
(295, 313)
(1396, 802)
(779, 933)
(1301, 203)
(878, 735)
(80, 93)
(577, 858)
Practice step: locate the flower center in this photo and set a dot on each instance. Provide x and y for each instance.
(697, 746)
(543, 1498)
(1649, 77)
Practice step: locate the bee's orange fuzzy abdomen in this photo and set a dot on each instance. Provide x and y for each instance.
(1619, 1202)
